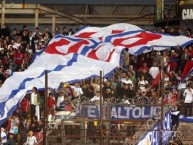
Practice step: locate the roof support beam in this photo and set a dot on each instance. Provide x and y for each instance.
(19, 6)
(3, 13)
(53, 24)
(62, 21)
(71, 17)
(21, 11)
(36, 17)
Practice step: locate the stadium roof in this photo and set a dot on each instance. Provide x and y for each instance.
(128, 2)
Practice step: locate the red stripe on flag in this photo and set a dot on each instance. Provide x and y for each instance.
(145, 38)
(85, 34)
(92, 54)
(74, 48)
(187, 68)
(52, 47)
(156, 80)
(116, 31)
(110, 55)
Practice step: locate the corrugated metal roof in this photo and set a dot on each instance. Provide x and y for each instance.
(84, 1)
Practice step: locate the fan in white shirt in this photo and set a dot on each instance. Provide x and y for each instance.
(127, 80)
(77, 90)
(142, 83)
(31, 140)
(188, 94)
(96, 98)
(60, 98)
(3, 136)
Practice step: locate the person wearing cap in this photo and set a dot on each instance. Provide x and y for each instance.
(3, 137)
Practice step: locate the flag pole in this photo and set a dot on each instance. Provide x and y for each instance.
(162, 102)
(45, 108)
(101, 108)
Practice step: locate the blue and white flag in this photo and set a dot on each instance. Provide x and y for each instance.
(73, 58)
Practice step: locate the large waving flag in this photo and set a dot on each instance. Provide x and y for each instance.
(188, 70)
(73, 58)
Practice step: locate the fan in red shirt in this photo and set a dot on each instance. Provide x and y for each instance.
(191, 51)
(24, 107)
(18, 57)
(51, 101)
(143, 67)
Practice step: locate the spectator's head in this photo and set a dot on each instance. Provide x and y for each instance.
(130, 67)
(164, 53)
(57, 29)
(30, 33)
(1, 67)
(25, 27)
(30, 133)
(65, 29)
(11, 135)
(34, 89)
(35, 118)
(185, 50)
(123, 75)
(98, 93)
(37, 29)
(126, 86)
(47, 29)
(190, 48)
(144, 70)
(77, 85)
(144, 64)
(51, 95)
(127, 77)
(188, 85)
(61, 92)
(2, 129)
(2, 50)
(143, 93)
(84, 87)
(40, 122)
(3, 26)
(172, 52)
(24, 33)
(108, 84)
(142, 77)
(155, 64)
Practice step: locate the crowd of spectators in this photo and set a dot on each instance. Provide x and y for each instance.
(17, 47)
(136, 78)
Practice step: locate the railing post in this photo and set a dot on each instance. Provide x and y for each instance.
(45, 108)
